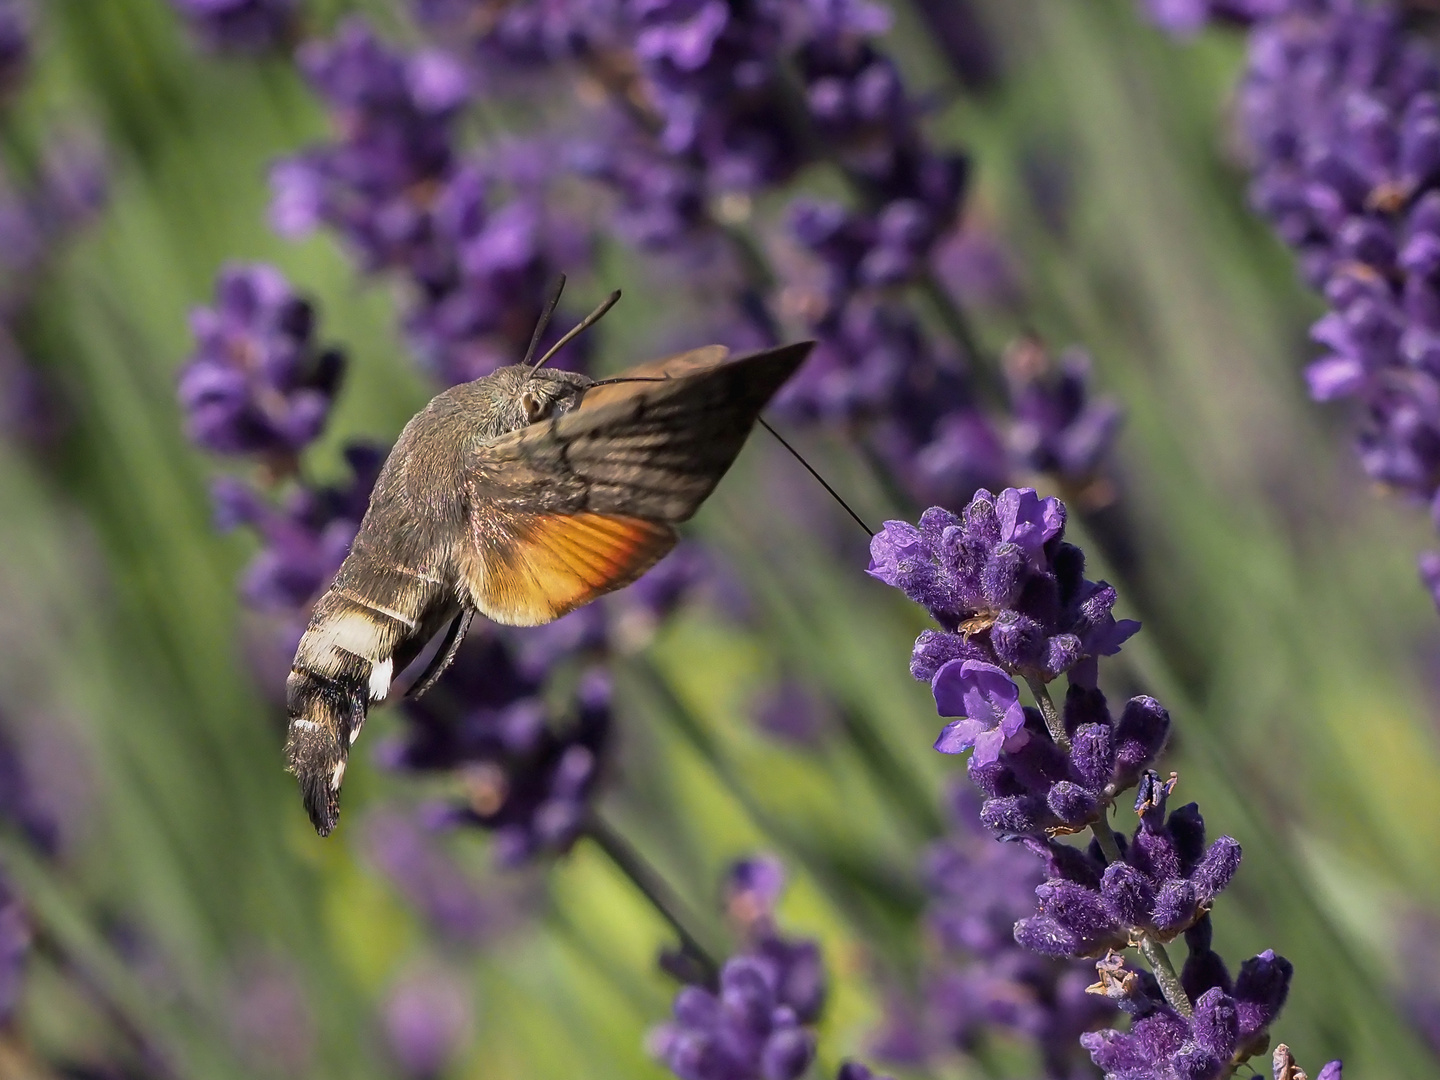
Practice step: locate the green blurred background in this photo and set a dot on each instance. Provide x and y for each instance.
(1288, 633)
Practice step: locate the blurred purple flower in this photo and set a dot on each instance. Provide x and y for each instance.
(792, 711)
(15, 45)
(526, 781)
(306, 536)
(257, 383)
(1059, 429)
(756, 1024)
(1340, 108)
(427, 1020)
(980, 978)
(14, 949)
(752, 888)
(270, 1019)
(241, 26)
(23, 804)
(406, 201)
(431, 881)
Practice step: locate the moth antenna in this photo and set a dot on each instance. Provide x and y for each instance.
(546, 313)
(808, 468)
(585, 324)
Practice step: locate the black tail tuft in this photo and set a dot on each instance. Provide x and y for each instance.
(323, 715)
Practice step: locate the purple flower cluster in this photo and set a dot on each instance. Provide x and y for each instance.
(1186, 17)
(241, 26)
(1230, 1022)
(257, 383)
(1031, 785)
(1012, 600)
(984, 981)
(1340, 107)
(399, 191)
(1007, 591)
(1166, 879)
(755, 1024)
(526, 780)
(258, 387)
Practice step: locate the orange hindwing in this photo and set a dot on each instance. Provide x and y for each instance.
(541, 566)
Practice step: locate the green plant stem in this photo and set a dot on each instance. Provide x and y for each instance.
(1150, 948)
(1053, 723)
(628, 860)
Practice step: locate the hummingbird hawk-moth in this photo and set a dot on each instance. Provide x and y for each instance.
(520, 496)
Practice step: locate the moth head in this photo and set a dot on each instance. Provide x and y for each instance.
(526, 397)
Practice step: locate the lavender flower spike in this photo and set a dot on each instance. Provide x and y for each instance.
(1012, 599)
(257, 382)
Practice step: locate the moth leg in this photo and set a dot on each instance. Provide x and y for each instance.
(445, 655)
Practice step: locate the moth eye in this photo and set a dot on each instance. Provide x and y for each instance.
(533, 406)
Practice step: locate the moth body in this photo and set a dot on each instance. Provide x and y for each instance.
(520, 496)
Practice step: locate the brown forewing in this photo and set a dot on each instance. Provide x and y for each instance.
(643, 460)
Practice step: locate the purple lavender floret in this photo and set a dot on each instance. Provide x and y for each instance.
(1005, 588)
(1167, 880)
(241, 26)
(527, 782)
(258, 382)
(756, 1024)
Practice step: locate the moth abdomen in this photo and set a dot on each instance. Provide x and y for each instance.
(345, 661)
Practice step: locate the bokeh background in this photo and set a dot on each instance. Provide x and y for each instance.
(188, 922)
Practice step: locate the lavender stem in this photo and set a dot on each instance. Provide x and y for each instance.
(1056, 727)
(1159, 961)
(653, 887)
(1151, 949)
